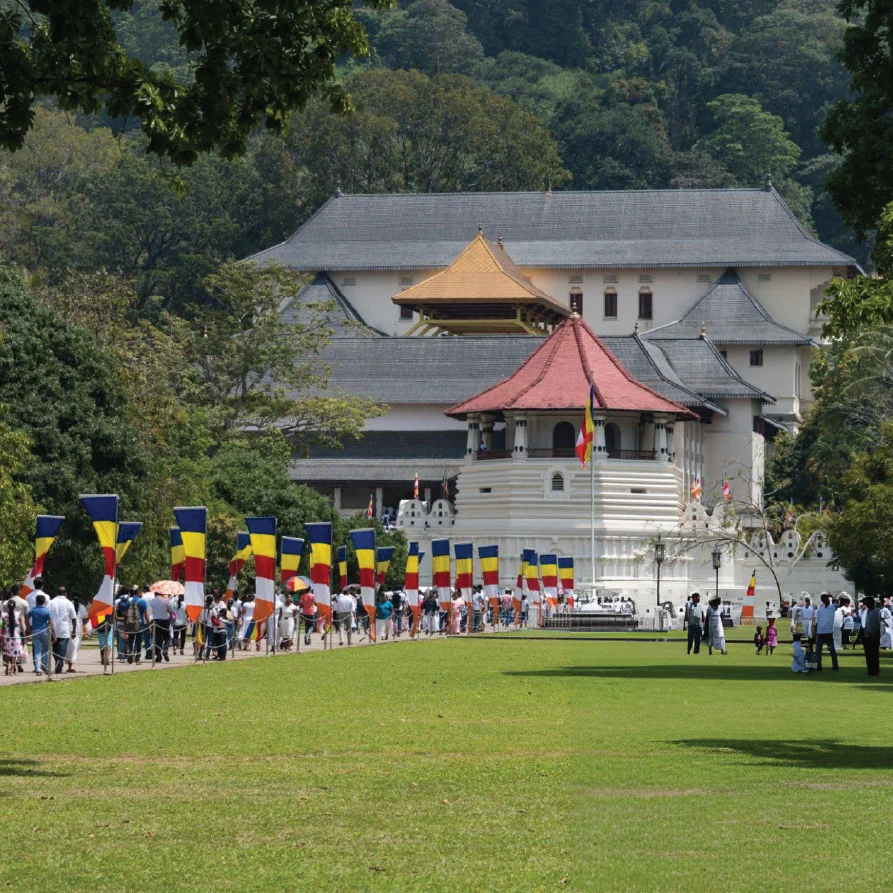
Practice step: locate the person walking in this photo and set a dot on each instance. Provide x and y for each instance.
(886, 626)
(771, 636)
(694, 617)
(345, 606)
(104, 633)
(62, 620)
(13, 643)
(807, 620)
(456, 613)
(74, 644)
(287, 623)
(180, 623)
(398, 600)
(247, 628)
(24, 610)
(40, 635)
(716, 634)
(307, 604)
(478, 606)
(135, 618)
(871, 636)
(384, 610)
(161, 626)
(824, 627)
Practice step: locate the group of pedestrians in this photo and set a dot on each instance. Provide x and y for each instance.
(704, 626)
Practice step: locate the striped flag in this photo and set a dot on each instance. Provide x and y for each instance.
(370, 511)
(342, 568)
(533, 580)
(489, 558)
(364, 545)
(464, 569)
(193, 524)
(411, 585)
(415, 487)
(319, 535)
(290, 560)
(243, 553)
(262, 531)
(127, 533)
(749, 599)
(549, 571)
(103, 512)
(566, 573)
(383, 556)
(178, 555)
(726, 488)
(45, 533)
(587, 430)
(696, 488)
(789, 516)
(440, 564)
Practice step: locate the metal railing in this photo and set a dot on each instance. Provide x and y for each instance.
(540, 453)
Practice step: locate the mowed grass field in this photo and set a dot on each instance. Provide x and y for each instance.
(513, 765)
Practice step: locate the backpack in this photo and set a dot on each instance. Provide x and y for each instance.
(121, 609)
(132, 617)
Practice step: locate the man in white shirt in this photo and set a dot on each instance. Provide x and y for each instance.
(825, 632)
(62, 620)
(478, 607)
(345, 605)
(694, 617)
(807, 618)
(38, 590)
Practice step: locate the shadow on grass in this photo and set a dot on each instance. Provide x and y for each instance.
(824, 753)
(700, 668)
(27, 768)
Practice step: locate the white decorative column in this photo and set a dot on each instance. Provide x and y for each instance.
(427, 495)
(519, 451)
(599, 449)
(474, 437)
(336, 498)
(487, 431)
(660, 438)
(671, 445)
(379, 501)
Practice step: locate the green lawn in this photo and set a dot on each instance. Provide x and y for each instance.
(452, 766)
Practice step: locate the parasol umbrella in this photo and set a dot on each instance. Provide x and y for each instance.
(298, 584)
(167, 587)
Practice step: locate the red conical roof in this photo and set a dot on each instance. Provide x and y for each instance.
(556, 377)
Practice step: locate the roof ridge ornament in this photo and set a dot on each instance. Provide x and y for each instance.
(768, 181)
(636, 327)
(703, 330)
(499, 241)
(481, 228)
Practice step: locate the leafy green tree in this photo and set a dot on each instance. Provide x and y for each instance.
(17, 507)
(429, 36)
(253, 63)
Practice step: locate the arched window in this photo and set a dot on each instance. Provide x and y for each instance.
(610, 303)
(557, 482)
(576, 300)
(564, 436)
(646, 304)
(612, 438)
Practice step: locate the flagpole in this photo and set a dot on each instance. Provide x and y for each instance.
(592, 516)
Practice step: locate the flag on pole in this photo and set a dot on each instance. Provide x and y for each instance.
(587, 430)
(533, 580)
(464, 569)
(522, 571)
(566, 573)
(749, 599)
(726, 488)
(549, 572)
(789, 515)
(103, 512)
(440, 577)
(243, 553)
(444, 488)
(383, 556)
(696, 488)
(292, 549)
(193, 524)
(127, 532)
(319, 535)
(178, 555)
(342, 568)
(489, 558)
(411, 585)
(364, 545)
(44, 535)
(370, 509)
(415, 487)
(262, 532)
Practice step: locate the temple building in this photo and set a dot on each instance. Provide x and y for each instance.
(478, 319)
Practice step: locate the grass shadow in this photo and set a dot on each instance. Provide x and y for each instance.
(823, 754)
(27, 768)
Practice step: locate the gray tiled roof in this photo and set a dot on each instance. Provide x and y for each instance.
(343, 320)
(703, 369)
(732, 315)
(655, 228)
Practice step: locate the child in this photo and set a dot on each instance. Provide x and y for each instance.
(771, 636)
(758, 640)
(798, 665)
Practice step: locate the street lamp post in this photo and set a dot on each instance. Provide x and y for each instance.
(658, 560)
(716, 555)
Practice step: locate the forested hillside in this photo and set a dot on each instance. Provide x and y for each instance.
(473, 95)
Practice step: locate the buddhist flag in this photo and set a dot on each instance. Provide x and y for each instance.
(789, 516)
(342, 568)
(549, 572)
(103, 512)
(696, 488)
(415, 487)
(440, 564)
(587, 430)
(319, 535)
(364, 545)
(243, 553)
(127, 532)
(370, 511)
(193, 524)
(290, 559)
(726, 488)
(464, 569)
(178, 555)
(411, 585)
(749, 599)
(489, 558)
(566, 574)
(521, 588)
(47, 529)
(383, 558)
(262, 531)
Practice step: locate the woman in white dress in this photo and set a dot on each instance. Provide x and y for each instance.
(247, 622)
(886, 626)
(287, 623)
(840, 616)
(74, 643)
(716, 635)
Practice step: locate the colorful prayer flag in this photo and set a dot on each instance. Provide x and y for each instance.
(444, 486)
(587, 430)
(464, 569)
(243, 553)
(319, 535)
(370, 510)
(440, 564)
(342, 568)
(44, 535)
(726, 488)
(696, 488)
(364, 545)
(749, 599)
(383, 557)
(290, 558)
(103, 512)
(262, 531)
(193, 524)
(178, 555)
(549, 572)
(411, 584)
(789, 515)
(415, 487)
(566, 573)
(489, 558)
(127, 532)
